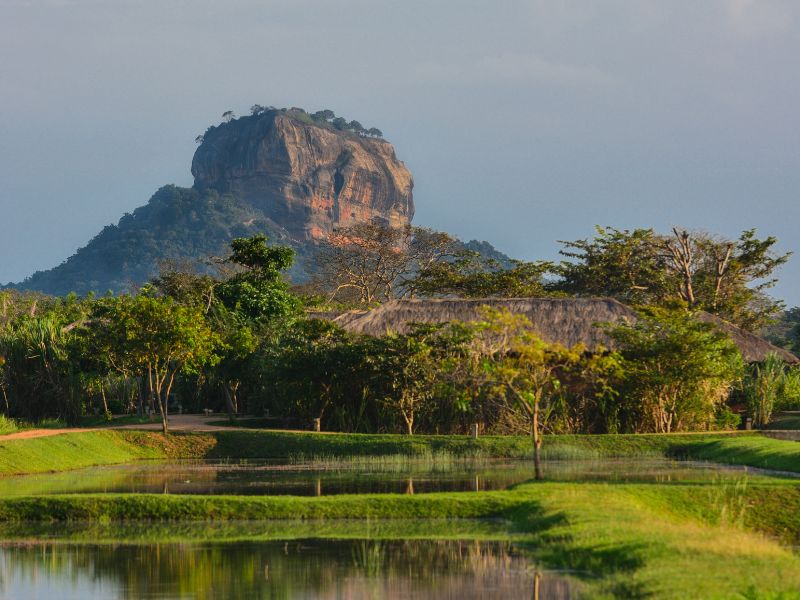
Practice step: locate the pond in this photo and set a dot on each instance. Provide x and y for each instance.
(291, 569)
(316, 478)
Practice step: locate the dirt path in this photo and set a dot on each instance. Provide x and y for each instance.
(36, 433)
(176, 423)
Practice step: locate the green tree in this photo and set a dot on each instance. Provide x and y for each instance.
(471, 276)
(521, 369)
(39, 379)
(678, 371)
(695, 270)
(156, 338)
(409, 372)
(258, 291)
(617, 263)
(323, 115)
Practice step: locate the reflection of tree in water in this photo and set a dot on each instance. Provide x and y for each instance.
(352, 570)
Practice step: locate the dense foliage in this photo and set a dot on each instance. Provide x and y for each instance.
(694, 270)
(232, 335)
(177, 223)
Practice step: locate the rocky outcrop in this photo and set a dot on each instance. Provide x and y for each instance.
(278, 172)
(308, 178)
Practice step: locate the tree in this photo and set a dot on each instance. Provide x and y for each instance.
(323, 115)
(258, 290)
(374, 132)
(522, 369)
(621, 264)
(469, 275)
(408, 368)
(339, 123)
(695, 270)
(367, 263)
(199, 139)
(155, 338)
(240, 309)
(180, 281)
(38, 378)
(228, 116)
(678, 370)
(316, 365)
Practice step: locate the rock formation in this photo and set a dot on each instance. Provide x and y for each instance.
(279, 172)
(306, 177)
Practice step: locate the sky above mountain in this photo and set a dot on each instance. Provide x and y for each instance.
(524, 122)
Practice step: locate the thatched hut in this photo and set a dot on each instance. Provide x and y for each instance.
(567, 321)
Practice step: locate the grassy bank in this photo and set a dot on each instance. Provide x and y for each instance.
(754, 451)
(83, 449)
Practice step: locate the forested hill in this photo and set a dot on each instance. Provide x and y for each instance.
(177, 223)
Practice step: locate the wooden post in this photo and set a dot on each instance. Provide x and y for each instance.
(474, 431)
(317, 424)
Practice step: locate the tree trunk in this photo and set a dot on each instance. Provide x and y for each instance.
(409, 419)
(229, 404)
(103, 396)
(139, 397)
(537, 443)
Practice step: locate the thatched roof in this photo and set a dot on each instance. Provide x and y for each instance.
(567, 321)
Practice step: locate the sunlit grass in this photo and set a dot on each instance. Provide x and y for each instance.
(8, 425)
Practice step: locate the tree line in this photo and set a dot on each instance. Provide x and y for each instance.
(240, 340)
(325, 117)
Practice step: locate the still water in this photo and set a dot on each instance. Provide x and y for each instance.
(292, 569)
(319, 479)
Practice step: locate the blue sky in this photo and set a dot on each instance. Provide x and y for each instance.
(524, 122)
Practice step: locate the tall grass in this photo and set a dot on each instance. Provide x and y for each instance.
(728, 499)
(437, 460)
(8, 425)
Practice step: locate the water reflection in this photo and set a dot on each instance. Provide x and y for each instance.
(296, 569)
(314, 479)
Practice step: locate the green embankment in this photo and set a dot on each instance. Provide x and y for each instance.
(752, 450)
(70, 451)
(83, 449)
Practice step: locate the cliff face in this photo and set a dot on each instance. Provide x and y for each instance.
(304, 177)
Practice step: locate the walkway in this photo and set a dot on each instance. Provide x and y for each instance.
(176, 423)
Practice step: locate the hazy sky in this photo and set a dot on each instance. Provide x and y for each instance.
(523, 122)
